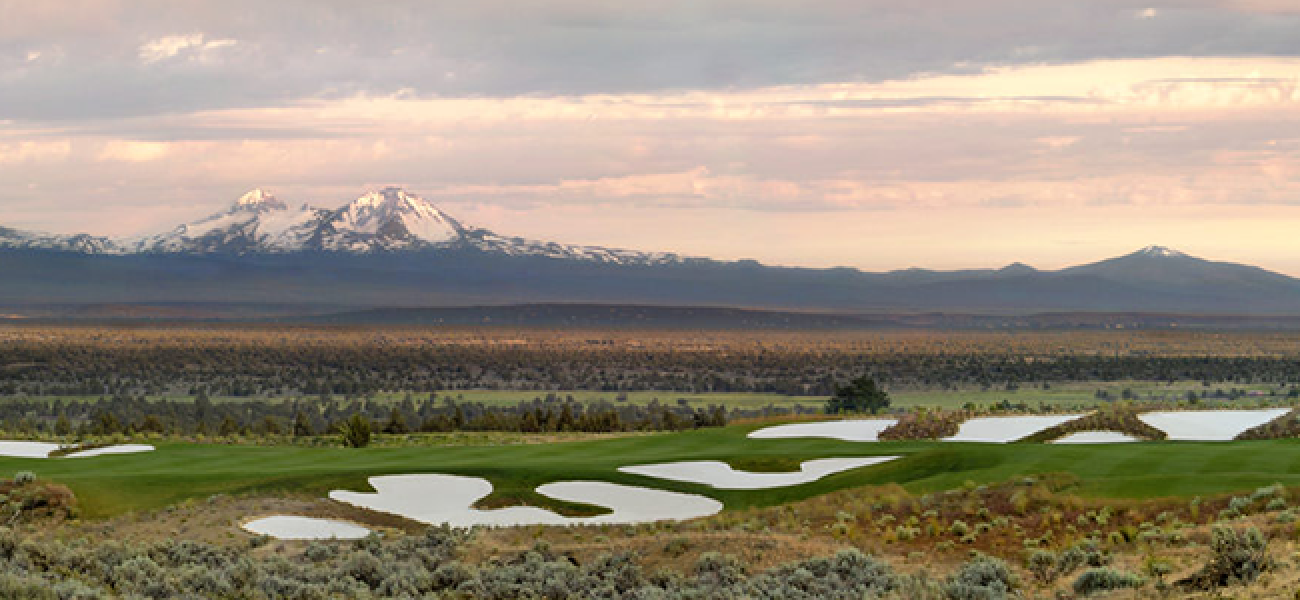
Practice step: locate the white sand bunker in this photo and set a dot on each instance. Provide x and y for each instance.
(118, 449)
(27, 449)
(284, 527)
(722, 476)
(436, 499)
(1209, 425)
(1095, 437)
(17, 449)
(1006, 429)
(856, 430)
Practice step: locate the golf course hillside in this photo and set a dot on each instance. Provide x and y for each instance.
(110, 485)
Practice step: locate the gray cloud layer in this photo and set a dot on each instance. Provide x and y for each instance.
(83, 59)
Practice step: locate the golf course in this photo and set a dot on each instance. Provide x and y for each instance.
(115, 484)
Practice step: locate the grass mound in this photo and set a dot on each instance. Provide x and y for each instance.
(1123, 419)
(924, 425)
(1285, 426)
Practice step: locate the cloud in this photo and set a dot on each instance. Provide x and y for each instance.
(170, 46)
(132, 151)
(34, 151)
(297, 50)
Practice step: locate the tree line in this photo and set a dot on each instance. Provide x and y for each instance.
(127, 414)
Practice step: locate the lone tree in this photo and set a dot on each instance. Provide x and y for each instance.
(859, 396)
(356, 431)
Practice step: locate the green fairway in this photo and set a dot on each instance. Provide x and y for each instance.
(111, 485)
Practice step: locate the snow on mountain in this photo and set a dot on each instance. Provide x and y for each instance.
(79, 243)
(257, 222)
(487, 241)
(389, 219)
(1162, 266)
(1159, 252)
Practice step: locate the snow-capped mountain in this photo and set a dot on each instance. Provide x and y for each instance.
(387, 220)
(258, 222)
(79, 243)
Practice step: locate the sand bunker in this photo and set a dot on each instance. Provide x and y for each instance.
(284, 527)
(437, 499)
(720, 475)
(1209, 425)
(27, 449)
(15, 449)
(1006, 429)
(119, 449)
(856, 430)
(1095, 437)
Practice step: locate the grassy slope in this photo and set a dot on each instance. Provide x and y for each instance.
(113, 484)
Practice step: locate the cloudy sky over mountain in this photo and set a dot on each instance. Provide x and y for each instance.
(871, 133)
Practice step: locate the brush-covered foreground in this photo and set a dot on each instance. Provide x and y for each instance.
(1028, 537)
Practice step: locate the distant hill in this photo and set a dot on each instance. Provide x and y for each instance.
(600, 316)
(685, 317)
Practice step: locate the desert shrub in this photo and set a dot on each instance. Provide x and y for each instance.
(1236, 557)
(984, 577)
(677, 547)
(364, 567)
(959, 528)
(847, 574)
(1042, 564)
(717, 569)
(317, 552)
(1084, 553)
(1103, 579)
(142, 576)
(22, 586)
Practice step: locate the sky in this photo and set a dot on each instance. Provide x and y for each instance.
(877, 134)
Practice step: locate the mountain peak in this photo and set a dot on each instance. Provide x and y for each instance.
(392, 197)
(393, 217)
(1017, 268)
(258, 200)
(1159, 252)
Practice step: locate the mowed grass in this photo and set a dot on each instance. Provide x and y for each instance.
(110, 485)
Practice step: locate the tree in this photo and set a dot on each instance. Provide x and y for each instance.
(62, 426)
(356, 431)
(396, 422)
(301, 425)
(859, 396)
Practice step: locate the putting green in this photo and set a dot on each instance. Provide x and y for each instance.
(109, 485)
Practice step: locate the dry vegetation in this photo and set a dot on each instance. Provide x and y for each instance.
(1040, 539)
(281, 361)
(1122, 418)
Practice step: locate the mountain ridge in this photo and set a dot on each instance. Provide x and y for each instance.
(391, 248)
(389, 219)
